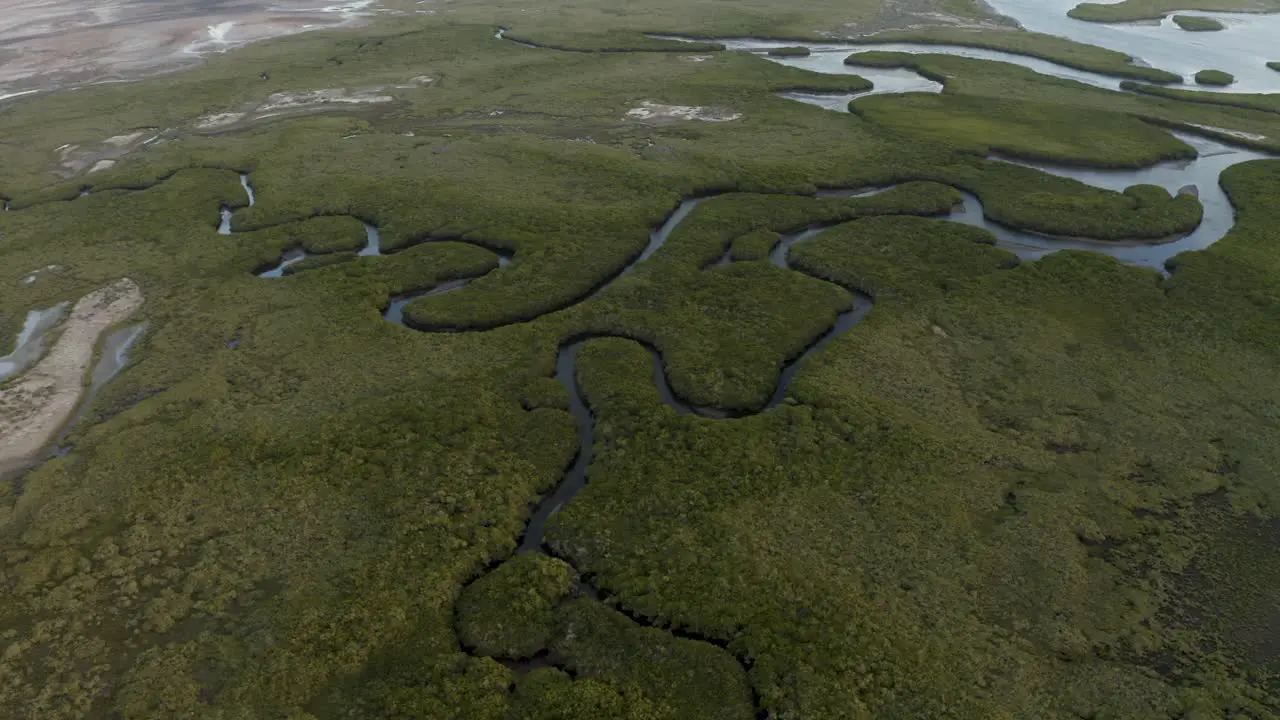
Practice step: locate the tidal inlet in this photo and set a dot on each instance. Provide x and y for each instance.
(648, 360)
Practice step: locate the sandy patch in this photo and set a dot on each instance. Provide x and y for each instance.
(35, 405)
(282, 103)
(695, 58)
(35, 274)
(650, 111)
(121, 141)
(96, 157)
(1231, 133)
(218, 120)
(277, 102)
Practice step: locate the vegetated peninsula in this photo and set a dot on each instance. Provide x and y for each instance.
(1131, 10)
(504, 365)
(1197, 23)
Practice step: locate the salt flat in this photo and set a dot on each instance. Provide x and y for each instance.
(57, 43)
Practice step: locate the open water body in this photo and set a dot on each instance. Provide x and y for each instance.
(1242, 48)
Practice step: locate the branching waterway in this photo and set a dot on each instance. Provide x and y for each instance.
(1199, 175)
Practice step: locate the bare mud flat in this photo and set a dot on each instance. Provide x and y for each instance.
(55, 43)
(36, 404)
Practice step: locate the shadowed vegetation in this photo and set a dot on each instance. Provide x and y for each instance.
(509, 612)
(684, 678)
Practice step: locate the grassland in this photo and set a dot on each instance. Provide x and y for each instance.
(1016, 490)
(1017, 129)
(1197, 23)
(1131, 10)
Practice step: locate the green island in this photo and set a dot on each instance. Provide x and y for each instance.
(1197, 23)
(1214, 77)
(1047, 47)
(493, 364)
(1131, 10)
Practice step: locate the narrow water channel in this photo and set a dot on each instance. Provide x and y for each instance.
(29, 345)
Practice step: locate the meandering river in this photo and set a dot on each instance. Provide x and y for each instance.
(1177, 51)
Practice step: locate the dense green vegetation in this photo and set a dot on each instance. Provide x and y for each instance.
(744, 18)
(1214, 77)
(510, 612)
(1000, 81)
(900, 259)
(551, 694)
(1130, 10)
(791, 51)
(1041, 490)
(1197, 23)
(1000, 482)
(616, 41)
(754, 245)
(318, 261)
(692, 247)
(1025, 130)
(1274, 65)
(684, 678)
